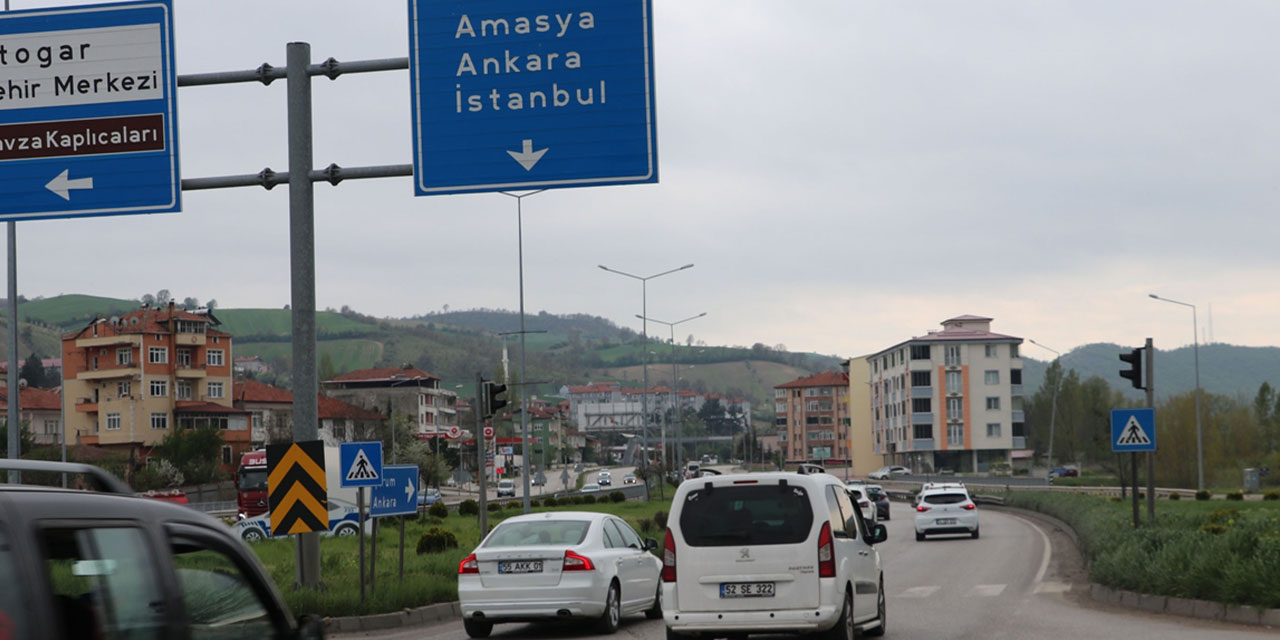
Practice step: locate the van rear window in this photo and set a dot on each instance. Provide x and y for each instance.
(946, 498)
(746, 515)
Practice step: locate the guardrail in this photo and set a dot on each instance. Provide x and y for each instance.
(906, 491)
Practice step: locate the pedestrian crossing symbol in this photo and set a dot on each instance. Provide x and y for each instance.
(1133, 430)
(361, 464)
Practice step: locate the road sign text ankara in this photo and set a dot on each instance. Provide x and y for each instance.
(509, 94)
(88, 111)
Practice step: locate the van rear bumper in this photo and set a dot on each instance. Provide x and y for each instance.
(760, 621)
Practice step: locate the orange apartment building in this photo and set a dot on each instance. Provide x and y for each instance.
(129, 380)
(812, 419)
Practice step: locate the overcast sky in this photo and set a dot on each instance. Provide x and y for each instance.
(844, 175)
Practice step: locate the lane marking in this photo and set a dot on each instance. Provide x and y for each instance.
(918, 592)
(1048, 550)
(987, 590)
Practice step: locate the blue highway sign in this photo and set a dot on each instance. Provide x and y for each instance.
(398, 493)
(88, 111)
(1133, 430)
(360, 464)
(510, 94)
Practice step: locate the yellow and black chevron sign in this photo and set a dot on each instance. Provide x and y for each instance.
(296, 492)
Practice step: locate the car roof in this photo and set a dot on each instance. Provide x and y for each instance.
(770, 477)
(593, 516)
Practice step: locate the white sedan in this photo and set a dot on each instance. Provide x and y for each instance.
(558, 565)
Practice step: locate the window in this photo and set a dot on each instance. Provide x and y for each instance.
(921, 379)
(920, 352)
(954, 384)
(107, 581)
(955, 409)
(993, 429)
(1013, 351)
(992, 377)
(182, 389)
(123, 389)
(214, 357)
(779, 393)
(810, 406)
(159, 388)
(955, 434)
(953, 356)
(780, 407)
(993, 403)
(921, 405)
(1015, 376)
(159, 421)
(157, 355)
(991, 350)
(213, 389)
(184, 357)
(113, 421)
(124, 356)
(226, 454)
(922, 431)
(629, 536)
(217, 593)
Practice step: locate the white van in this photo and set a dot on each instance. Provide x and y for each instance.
(770, 553)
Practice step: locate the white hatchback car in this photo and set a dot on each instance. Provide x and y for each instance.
(770, 553)
(559, 565)
(945, 508)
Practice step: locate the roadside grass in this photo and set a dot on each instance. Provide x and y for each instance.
(1216, 550)
(428, 577)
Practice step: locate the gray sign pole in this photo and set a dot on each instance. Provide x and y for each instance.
(481, 470)
(1150, 354)
(302, 258)
(15, 423)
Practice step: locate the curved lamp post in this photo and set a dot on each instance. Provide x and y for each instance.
(675, 389)
(1053, 411)
(1195, 340)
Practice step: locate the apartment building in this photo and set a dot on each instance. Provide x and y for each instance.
(404, 390)
(129, 380)
(861, 443)
(950, 399)
(812, 419)
(271, 416)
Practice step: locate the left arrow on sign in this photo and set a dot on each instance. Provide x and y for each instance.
(527, 157)
(63, 186)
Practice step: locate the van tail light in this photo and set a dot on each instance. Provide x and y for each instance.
(921, 508)
(668, 558)
(969, 506)
(576, 562)
(826, 553)
(469, 565)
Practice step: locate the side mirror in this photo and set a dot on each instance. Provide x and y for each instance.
(650, 544)
(879, 534)
(310, 627)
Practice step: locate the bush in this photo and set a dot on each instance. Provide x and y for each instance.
(1235, 495)
(660, 519)
(646, 525)
(1214, 528)
(550, 502)
(533, 503)
(514, 504)
(1203, 495)
(469, 507)
(494, 506)
(438, 510)
(576, 500)
(617, 496)
(1271, 495)
(588, 499)
(435, 540)
(1175, 496)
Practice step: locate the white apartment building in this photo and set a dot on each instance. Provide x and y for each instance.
(950, 399)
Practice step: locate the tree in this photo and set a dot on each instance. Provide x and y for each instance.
(327, 370)
(33, 372)
(194, 452)
(211, 304)
(163, 297)
(148, 300)
(26, 441)
(189, 303)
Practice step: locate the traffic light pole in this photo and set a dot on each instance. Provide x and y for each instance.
(1150, 354)
(481, 470)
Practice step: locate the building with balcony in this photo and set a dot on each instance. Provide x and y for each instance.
(39, 409)
(861, 443)
(129, 380)
(950, 399)
(812, 419)
(405, 390)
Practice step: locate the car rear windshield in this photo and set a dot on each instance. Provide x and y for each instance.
(506, 483)
(746, 515)
(946, 498)
(540, 533)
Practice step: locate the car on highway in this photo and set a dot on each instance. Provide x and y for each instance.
(771, 553)
(1064, 472)
(559, 565)
(945, 507)
(630, 478)
(590, 487)
(877, 495)
(506, 488)
(858, 494)
(109, 564)
(889, 472)
(428, 497)
(452, 483)
(604, 479)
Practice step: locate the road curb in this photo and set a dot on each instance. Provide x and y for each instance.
(1169, 605)
(418, 616)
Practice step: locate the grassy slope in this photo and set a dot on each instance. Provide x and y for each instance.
(279, 322)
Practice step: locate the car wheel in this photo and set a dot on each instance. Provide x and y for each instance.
(844, 629)
(975, 534)
(655, 612)
(880, 614)
(253, 534)
(612, 616)
(919, 536)
(477, 628)
(346, 529)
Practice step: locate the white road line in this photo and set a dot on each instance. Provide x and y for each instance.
(918, 592)
(1048, 551)
(987, 590)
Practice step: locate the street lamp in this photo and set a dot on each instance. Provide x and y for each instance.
(1195, 340)
(644, 401)
(1053, 411)
(675, 386)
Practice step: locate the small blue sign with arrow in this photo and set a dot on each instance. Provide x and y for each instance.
(1133, 430)
(398, 493)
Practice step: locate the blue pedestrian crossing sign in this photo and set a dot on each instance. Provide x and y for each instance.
(1133, 430)
(360, 464)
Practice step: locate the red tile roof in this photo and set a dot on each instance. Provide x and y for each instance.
(330, 408)
(246, 390)
(824, 379)
(384, 373)
(33, 399)
(203, 407)
(155, 320)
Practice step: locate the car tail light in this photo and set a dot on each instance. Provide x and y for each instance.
(469, 565)
(969, 506)
(668, 558)
(577, 562)
(826, 553)
(921, 508)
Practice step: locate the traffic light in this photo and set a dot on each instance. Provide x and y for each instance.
(1134, 358)
(492, 401)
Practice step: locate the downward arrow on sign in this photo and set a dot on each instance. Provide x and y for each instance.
(527, 157)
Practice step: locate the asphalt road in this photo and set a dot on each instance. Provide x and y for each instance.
(1021, 580)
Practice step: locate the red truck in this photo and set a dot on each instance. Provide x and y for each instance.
(251, 484)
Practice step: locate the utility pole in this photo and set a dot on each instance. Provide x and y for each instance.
(1150, 354)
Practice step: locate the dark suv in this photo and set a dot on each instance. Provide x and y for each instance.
(108, 564)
